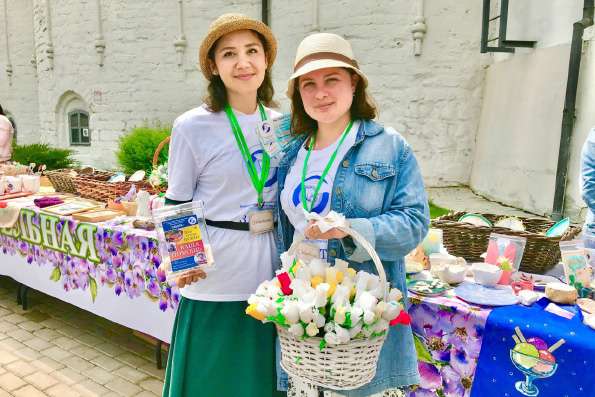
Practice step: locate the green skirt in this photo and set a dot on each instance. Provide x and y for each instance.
(218, 351)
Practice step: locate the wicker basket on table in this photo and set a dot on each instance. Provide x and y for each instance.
(338, 367)
(98, 188)
(469, 241)
(63, 179)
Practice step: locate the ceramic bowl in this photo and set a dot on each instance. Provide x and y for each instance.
(486, 274)
(439, 261)
(453, 274)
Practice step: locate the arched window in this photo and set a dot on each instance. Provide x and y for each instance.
(78, 125)
(72, 121)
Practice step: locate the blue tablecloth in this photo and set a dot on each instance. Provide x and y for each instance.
(503, 372)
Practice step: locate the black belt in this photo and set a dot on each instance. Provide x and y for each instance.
(229, 225)
(245, 226)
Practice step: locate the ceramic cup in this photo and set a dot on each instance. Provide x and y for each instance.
(130, 207)
(13, 184)
(31, 183)
(486, 274)
(453, 274)
(439, 261)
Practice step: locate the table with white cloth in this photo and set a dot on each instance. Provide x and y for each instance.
(108, 268)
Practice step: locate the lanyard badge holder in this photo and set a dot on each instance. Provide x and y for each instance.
(260, 220)
(308, 206)
(275, 136)
(183, 239)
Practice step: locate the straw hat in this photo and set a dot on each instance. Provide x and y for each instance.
(228, 23)
(323, 50)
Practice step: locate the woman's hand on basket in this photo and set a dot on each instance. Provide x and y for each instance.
(313, 232)
(190, 278)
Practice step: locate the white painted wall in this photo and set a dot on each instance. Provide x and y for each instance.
(547, 22)
(519, 133)
(20, 98)
(433, 99)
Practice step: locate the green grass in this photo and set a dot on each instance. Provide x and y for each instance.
(436, 211)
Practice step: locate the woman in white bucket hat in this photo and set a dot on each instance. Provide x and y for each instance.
(344, 161)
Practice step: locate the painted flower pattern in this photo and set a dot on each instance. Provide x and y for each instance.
(129, 262)
(448, 336)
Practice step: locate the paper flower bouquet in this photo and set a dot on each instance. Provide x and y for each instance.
(335, 303)
(332, 320)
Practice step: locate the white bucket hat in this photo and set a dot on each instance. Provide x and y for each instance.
(323, 50)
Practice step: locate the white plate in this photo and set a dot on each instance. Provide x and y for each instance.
(540, 280)
(119, 177)
(476, 220)
(137, 176)
(486, 296)
(511, 223)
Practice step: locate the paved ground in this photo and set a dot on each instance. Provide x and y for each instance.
(56, 349)
(463, 199)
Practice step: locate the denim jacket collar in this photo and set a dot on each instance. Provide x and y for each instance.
(366, 128)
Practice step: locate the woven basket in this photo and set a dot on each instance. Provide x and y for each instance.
(98, 188)
(63, 179)
(469, 241)
(342, 367)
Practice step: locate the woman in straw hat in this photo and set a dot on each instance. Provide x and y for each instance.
(346, 162)
(216, 350)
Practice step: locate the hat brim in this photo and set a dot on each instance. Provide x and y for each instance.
(321, 64)
(231, 26)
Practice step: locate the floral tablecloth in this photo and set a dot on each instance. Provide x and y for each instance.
(107, 268)
(448, 334)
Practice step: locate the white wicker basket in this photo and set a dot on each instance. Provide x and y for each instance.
(342, 367)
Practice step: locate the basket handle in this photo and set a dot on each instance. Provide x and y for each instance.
(362, 241)
(158, 150)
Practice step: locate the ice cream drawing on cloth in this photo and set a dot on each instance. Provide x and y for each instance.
(534, 359)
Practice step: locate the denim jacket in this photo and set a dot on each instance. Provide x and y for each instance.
(588, 179)
(379, 188)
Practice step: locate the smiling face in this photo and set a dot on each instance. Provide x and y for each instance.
(327, 94)
(240, 61)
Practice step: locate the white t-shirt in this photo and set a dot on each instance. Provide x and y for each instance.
(6, 132)
(206, 164)
(291, 201)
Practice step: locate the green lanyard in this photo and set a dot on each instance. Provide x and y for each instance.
(257, 182)
(324, 173)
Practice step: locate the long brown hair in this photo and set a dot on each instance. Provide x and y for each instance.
(362, 107)
(216, 97)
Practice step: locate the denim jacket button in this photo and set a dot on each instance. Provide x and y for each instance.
(345, 163)
(338, 191)
(375, 173)
(332, 252)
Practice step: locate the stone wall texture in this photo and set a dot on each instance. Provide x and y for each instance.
(433, 99)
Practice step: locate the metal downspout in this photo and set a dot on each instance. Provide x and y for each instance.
(568, 114)
(265, 11)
